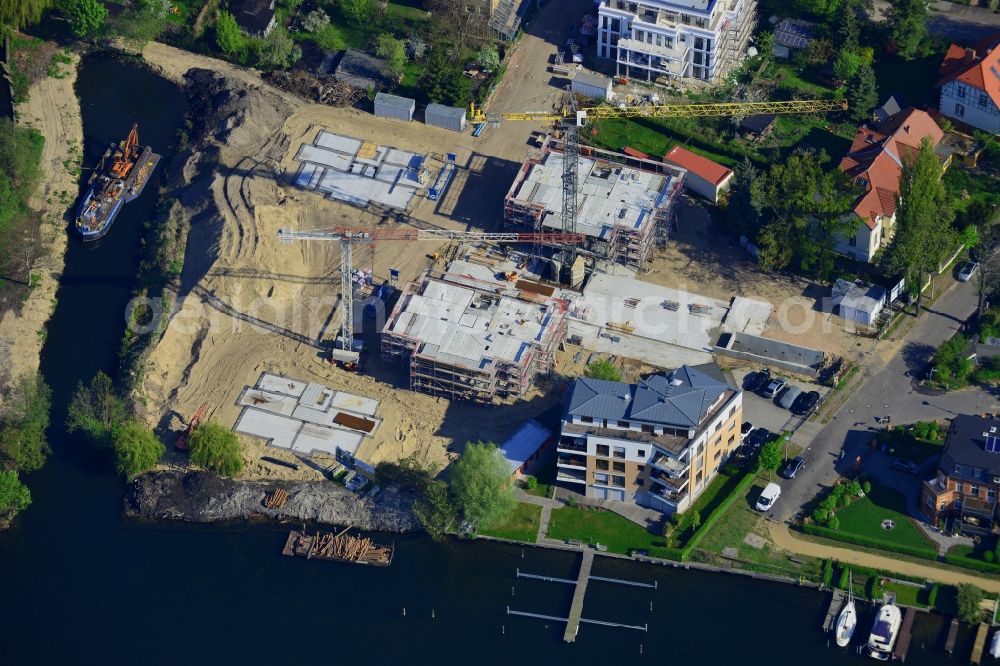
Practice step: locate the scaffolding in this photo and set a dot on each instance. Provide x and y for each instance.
(470, 339)
(737, 26)
(622, 210)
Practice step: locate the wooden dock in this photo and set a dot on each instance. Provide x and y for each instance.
(949, 644)
(980, 644)
(905, 635)
(576, 609)
(836, 603)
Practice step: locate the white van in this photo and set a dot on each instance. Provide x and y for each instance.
(768, 497)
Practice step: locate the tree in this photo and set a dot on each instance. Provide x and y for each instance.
(22, 434)
(480, 483)
(95, 410)
(136, 448)
(969, 599)
(14, 495)
(315, 21)
(804, 207)
(833, 523)
(142, 23)
(952, 365)
(923, 218)
(489, 58)
(357, 11)
(20, 168)
(827, 576)
(19, 13)
(848, 33)
(844, 581)
(819, 8)
(846, 65)
(416, 47)
(740, 210)
(277, 50)
(907, 21)
(770, 456)
(86, 17)
(603, 369)
(228, 36)
(695, 520)
(862, 92)
(393, 51)
(444, 81)
(216, 447)
(436, 510)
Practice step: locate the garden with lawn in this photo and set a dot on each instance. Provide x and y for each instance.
(878, 520)
(521, 526)
(916, 442)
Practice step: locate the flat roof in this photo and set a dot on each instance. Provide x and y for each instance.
(442, 110)
(590, 79)
(609, 195)
(395, 101)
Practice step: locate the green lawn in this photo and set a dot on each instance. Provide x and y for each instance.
(904, 444)
(401, 18)
(546, 478)
(864, 517)
(598, 526)
(522, 526)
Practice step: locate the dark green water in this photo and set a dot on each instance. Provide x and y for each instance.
(82, 585)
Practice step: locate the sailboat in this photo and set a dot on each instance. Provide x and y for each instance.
(847, 620)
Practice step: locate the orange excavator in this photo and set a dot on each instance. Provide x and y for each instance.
(181, 444)
(127, 155)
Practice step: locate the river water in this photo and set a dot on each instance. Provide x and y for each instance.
(82, 585)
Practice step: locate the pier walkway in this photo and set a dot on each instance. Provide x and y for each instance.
(576, 609)
(836, 603)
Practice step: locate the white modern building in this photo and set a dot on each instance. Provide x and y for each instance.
(665, 40)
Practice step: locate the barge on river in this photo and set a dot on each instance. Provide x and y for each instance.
(340, 547)
(112, 186)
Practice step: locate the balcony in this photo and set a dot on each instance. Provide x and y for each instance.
(572, 444)
(671, 466)
(571, 475)
(572, 461)
(665, 495)
(674, 484)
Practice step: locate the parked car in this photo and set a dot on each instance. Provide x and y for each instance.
(773, 387)
(755, 381)
(758, 438)
(805, 403)
(356, 483)
(793, 467)
(745, 430)
(905, 466)
(967, 271)
(788, 396)
(768, 497)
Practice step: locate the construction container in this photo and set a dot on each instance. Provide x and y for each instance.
(448, 117)
(393, 106)
(592, 85)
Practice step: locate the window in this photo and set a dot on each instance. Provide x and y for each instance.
(961, 92)
(619, 451)
(659, 40)
(853, 241)
(718, 454)
(669, 42)
(618, 466)
(603, 450)
(959, 111)
(602, 464)
(930, 502)
(648, 429)
(982, 100)
(717, 426)
(618, 481)
(699, 43)
(732, 438)
(624, 424)
(974, 491)
(642, 468)
(642, 454)
(586, 419)
(600, 478)
(697, 479)
(959, 486)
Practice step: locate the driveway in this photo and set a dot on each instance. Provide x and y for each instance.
(764, 413)
(960, 23)
(887, 389)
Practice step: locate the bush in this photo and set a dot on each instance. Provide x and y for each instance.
(216, 447)
(730, 469)
(95, 410)
(14, 496)
(845, 500)
(927, 553)
(838, 491)
(866, 487)
(988, 556)
(844, 581)
(530, 482)
(820, 515)
(833, 523)
(968, 561)
(874, 587)
(933, 595)
(969, 599)
(854, 489)
(315, 21)
(827, 573)
(22, 429)
(603, 369)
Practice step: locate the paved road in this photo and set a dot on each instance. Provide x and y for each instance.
(960, 23)
(887, 389)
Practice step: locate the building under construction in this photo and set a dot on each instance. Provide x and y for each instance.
(468, 335)
(624, 203)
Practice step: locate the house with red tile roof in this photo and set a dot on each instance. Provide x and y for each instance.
(875, 163)
(970, 84)
(704, 176)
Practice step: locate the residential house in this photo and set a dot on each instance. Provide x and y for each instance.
(657, 443)
(965, 484)
(875, 163)
(527, 449)
(970, 84)
(704, 177)
(255, 17)
(889, 108)
(666, 40)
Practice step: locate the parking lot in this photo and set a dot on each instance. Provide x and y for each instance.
(764, 412)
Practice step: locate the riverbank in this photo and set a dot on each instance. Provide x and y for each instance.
(204, 497)
(53, 109)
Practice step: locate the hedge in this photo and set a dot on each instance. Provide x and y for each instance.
(969, 563)
(714, 517)
(923, 553)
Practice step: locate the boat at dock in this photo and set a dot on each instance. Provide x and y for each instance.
(120, 177)
(340, 547)
(847, 622)
(884, 632)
